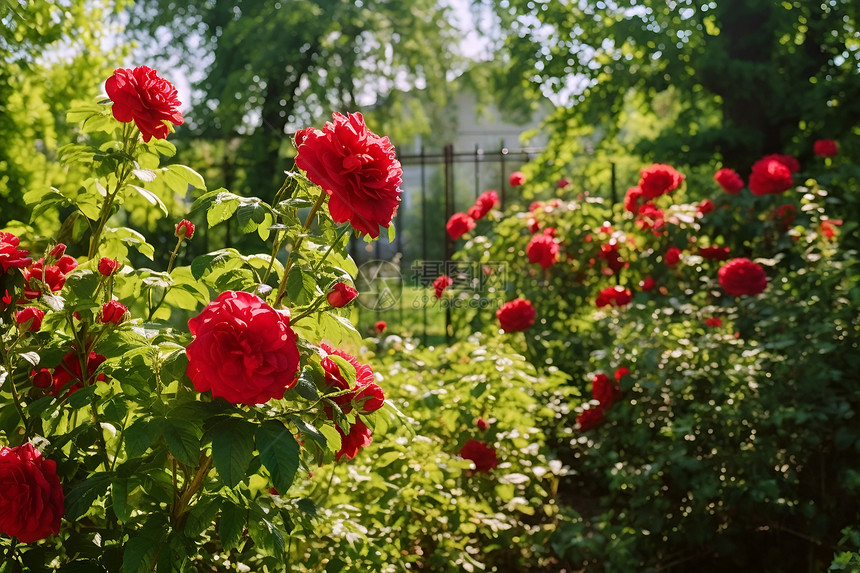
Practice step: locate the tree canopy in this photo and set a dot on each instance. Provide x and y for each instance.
(748, 78)
(262, 69)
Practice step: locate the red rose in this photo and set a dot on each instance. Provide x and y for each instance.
(58, 251)
(562, 183)
(341, 295)
(113, 311)
(367, 396)
(614, 296)
(729, 180)
(549, 232)
(787, 160)
(672, 257)
(483, 205)
(44, 378)
(69, 372)
(107, 266)
(770, 176)
(825, 148)
(441, 283)
(517, 178)
(140, 95)
(609, 253)
(10, 254)
(647, 284)
(650, 217)
(516, 315)
(31, 497)
(742, 277)
(534, 226)
(631, 199)
(358, 437)
(483, 456)
(621, 372)
(714, 321)
(705, 207)
(184, 229)
(356, 167)
(380, 326)
(543, 250)
(590, 419)
(243, 350)
(29, 319)
(604, 390)
(482, 424)
(715, 253)
(828, 227)
(458, 225)
(51, 275)
(658, 179)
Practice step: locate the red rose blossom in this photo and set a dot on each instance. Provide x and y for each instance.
(58, 251)
(516, 315)
(770, 176)
(828, 227)
(590, 419)
(31, 497)
(140, 95)
(543, 250)
(650, 217)
(356, 167)
(604, 390)
(184, 229)
(483, 205)
(441, 283)
(715, 253)
(10, 254)
(358, 437)
(647, 284)
(562, 183)
(729, 180)
(714, 321)
(614, 296)
(107, 266)
(672, 257)
(29, 319)
(705, 207)
(44, 378)
(482, 424)
(742, 277)
(789, 161)
(366, 395)
(825, 148)
(483, 456)
(243, 350)
(658, 179)
(458, 225)
(69, 372)
(51, 275)
(380, 326)
(621, 372)
(610, 254)
(112, 312)
(632, 200)
(341, 295)
(517, 178)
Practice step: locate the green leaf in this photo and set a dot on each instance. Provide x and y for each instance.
(306, 386)
(81, 496)
(232, 449)
(138, 437)
(151, 197)
(188, 177)
(201, 517)
(119, 497)
(231, 525)
(140, 554)
(279, 453)
(347, 370)
(266, 535)
(182, 438)
(332, 437)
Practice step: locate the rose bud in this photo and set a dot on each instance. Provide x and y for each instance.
(341, 295)
(58, 251)
(43, 378)
(482, 424)
(381, 326)
(107, 266)
(29, 319)
(113, 311)
(184, 229)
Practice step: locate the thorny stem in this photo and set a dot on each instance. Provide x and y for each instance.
(337, 239)
(181, 508)
(129, 137)
(276, 242)
(283, 286)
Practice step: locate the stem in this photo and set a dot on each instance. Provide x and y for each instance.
(129, 136)
(16, 397)
(276, 242)
(173, 254)
(181, 508)
(310, 309)
(283, 286)
(337, 239)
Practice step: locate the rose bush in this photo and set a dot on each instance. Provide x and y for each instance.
(166, 402)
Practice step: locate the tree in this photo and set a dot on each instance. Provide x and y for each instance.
(750, 77)
(272, 67)
(51, 53)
